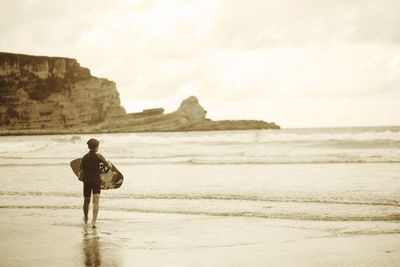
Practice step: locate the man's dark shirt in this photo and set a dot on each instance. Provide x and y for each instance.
(90, 166)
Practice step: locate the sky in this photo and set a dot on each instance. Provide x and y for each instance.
(299, 63)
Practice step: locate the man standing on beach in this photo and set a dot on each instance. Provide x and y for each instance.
(90, 175)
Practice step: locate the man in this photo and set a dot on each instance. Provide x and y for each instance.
(90, 175)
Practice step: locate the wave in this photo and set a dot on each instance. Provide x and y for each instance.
(277, 161)
(357, 144)
(294, 146)
(216, 162)
(291, 207)
(263, 215)
(251, 137)
(216, 197)
(30, 164)
(216, 137)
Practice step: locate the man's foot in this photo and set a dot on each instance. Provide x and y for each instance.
(94, 225)
(85, 220)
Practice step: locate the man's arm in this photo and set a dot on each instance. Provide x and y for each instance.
(105, 162)
(81, 170)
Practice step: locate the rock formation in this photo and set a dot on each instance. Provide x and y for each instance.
(43, 95)
(53, 93)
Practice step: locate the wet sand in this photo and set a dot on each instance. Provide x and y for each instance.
(46, 237)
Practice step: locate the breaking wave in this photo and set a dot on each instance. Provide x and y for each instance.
(331, 145)
(299, 208)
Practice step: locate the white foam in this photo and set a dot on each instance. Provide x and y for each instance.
(234, 147)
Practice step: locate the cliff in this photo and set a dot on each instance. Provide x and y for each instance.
(44, 95)
(53, 93)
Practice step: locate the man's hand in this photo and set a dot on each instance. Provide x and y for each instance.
(109, 165)
(80, 178)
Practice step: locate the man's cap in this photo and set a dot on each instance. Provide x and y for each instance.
(92, 143)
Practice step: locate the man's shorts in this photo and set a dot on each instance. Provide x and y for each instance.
(89, 186)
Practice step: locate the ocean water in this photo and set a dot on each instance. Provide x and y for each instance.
(329, 174)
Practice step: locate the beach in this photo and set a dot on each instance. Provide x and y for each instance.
(324, 197)
(56, 238)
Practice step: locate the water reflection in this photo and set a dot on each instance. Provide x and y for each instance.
(91, 247)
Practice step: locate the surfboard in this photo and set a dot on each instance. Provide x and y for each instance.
(110, 178)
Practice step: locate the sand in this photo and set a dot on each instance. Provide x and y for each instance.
(47, 237)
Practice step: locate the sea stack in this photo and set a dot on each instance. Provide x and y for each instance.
(54, 95)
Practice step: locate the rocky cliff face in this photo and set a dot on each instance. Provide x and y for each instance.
(53, 93)
(48, 95)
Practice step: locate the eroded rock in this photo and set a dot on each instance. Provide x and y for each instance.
(53, 93)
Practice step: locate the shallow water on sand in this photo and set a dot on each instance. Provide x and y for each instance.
(319, 175)
(328, 192)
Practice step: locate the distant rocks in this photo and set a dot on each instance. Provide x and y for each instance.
(191, 109)
(190, 116)
(48, 95)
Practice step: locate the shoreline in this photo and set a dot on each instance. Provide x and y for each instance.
(38, 132)
(81, 131)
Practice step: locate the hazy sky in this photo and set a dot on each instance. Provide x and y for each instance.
(299, 63)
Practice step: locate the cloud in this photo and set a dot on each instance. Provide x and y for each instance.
(259, 23)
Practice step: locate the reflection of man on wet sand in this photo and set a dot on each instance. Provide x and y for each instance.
(97, 251)
(91, 248)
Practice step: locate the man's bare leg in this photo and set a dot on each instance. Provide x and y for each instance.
(86, 203)
(96, 200)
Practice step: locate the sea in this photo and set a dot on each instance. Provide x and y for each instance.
(312, 174)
